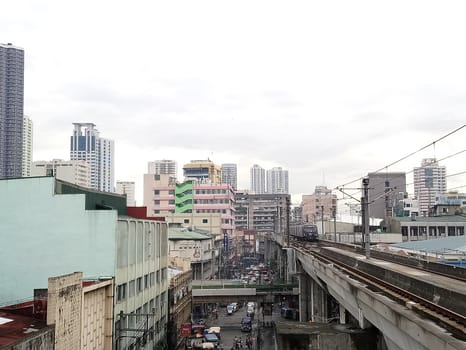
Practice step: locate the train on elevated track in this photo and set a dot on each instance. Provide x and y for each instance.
(306, 232)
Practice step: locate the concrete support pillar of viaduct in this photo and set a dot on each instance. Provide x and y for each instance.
(306, 309)
(342, 314)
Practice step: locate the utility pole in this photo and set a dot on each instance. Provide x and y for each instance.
(365, 217)
(322, 217)
(335, 222)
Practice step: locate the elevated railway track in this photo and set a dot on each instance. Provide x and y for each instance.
(454, 321)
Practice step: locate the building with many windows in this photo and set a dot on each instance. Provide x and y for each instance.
(128, 189)
(321, 204)
(257, 179)
(193, 202)
(11, 110)
(277, 180)
(230, 175)
(429, 182)
(86, 144)
(163, 167)
(74, 171)
(27, 145)
(386, 189)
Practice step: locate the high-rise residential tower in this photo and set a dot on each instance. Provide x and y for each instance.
(27, 146)
(277, 180)
(163, 167)
(257, 179)
(86, 144)
(11, 110)
(429, 181)
(229, 174)
(127, 188)
(386, 189)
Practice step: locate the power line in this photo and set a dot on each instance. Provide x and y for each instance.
(411, 171)
(408, 155)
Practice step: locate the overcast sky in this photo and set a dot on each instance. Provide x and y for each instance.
(329, 90)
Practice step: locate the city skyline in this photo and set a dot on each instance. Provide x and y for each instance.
(307, 108)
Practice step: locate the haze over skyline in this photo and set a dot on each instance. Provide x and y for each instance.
(335, 89)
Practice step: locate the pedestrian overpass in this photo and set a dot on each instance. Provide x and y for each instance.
(219, 291)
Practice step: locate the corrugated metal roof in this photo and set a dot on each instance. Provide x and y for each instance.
(438, 245)
(442, 218)
(176, 234)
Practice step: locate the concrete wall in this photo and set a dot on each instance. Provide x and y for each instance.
(64, 310)
(44, 235)
(97, 316)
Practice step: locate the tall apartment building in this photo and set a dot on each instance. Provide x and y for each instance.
(257, 179)
(27, 146)
(73, 171)
(429, 182)
(127, 188)
(163, 167)
(86, 144)
(277, 180)
(203, 171)
(262, 212)
(321, 203)
(11, 110)
(385, 191)
(230, 174)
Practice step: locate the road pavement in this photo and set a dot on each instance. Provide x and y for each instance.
(231, 328)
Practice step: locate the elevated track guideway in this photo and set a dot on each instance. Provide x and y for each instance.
(449, 315)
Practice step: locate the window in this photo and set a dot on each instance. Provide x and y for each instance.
(151, 278)
(157, 177)
(205, 221)
(121, 292)
(186, 221)
(146, 281)
(139, 284)
(158, 276)
(156, 192)
(131, 287)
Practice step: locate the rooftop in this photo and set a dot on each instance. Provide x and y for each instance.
(441, 218)
(181, 233)
(440, 245)
(15, 327)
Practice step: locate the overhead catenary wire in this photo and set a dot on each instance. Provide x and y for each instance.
(411, 171)
(406, 156)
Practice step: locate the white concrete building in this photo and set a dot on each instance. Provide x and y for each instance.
(86, 144)
(127, 188)
(74, 171)
(429, 182)
(277, 181)
(163, 167)
(257, 179)
(230, 174)
(27, 145)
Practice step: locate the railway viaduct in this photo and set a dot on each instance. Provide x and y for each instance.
(404, 324)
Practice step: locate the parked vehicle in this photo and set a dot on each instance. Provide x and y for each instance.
(230, 309)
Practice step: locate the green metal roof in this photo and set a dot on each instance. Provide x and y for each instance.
(178, 234)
